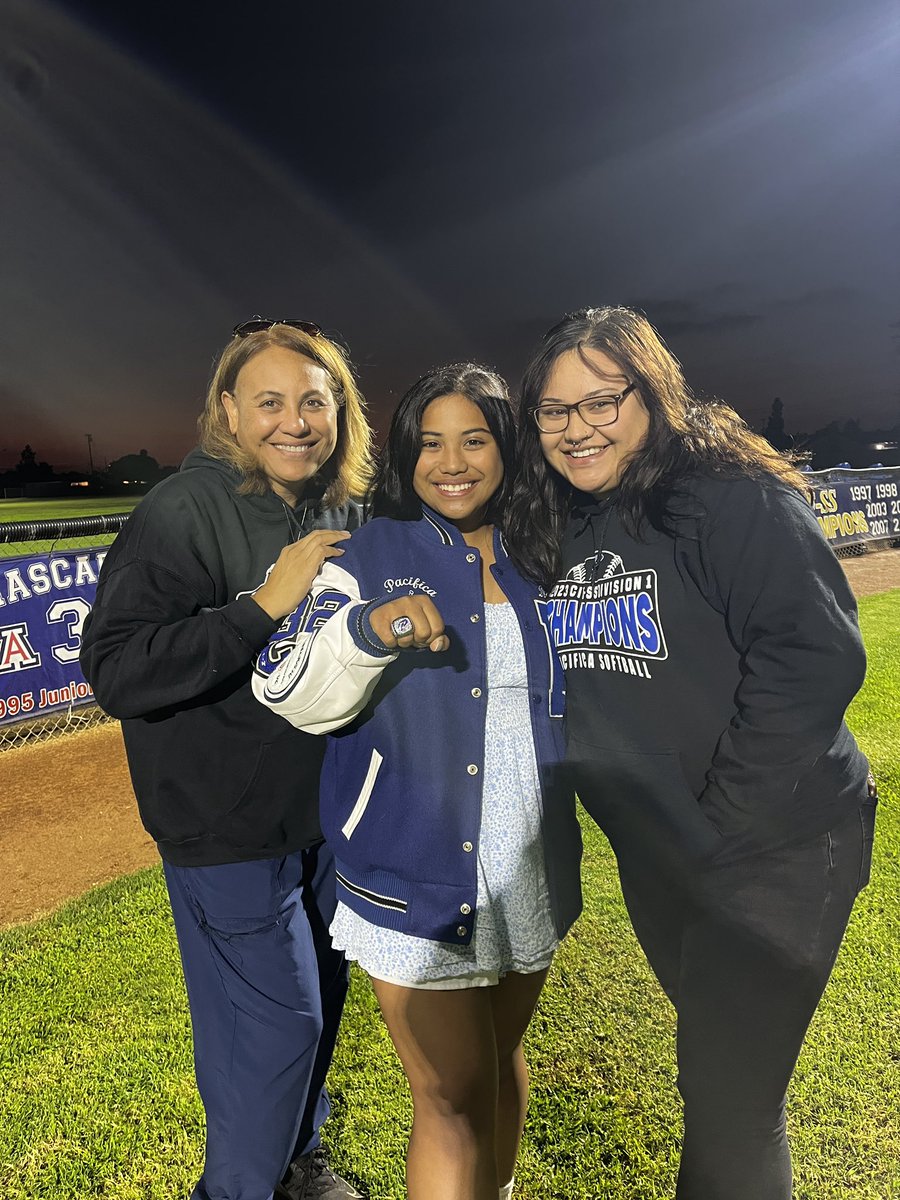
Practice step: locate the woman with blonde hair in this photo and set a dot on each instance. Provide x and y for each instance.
(187, 598)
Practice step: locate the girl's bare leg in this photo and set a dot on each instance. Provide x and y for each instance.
(446, 1043)
(513, 1001)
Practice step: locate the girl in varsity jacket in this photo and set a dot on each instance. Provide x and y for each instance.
(421, 651)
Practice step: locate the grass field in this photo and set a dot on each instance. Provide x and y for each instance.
(49, 509)
(55, 508)
(97, 1086)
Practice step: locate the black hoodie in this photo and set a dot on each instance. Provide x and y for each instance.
(168, 648)
(707, 674)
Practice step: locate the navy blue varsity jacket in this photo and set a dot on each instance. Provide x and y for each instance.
(401, 784)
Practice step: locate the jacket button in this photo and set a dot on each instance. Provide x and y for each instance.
(471, 557)
(472, 769)
(461, 930)
(475, 618)
(476, 692)
(467, 846)
(465, 909)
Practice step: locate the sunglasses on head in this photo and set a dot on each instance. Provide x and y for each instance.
(260, 325)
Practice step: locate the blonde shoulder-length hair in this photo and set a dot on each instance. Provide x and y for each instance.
(348, 471)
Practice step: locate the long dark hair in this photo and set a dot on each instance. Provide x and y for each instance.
(686, 436)
(393, 494)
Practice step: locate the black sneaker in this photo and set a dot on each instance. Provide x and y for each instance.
(311, 1178)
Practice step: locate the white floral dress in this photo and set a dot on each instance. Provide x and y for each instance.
(514, 929)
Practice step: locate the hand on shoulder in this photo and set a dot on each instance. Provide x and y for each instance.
(290, 579)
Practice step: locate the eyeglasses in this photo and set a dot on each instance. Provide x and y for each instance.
(595, 410)
(259, 325)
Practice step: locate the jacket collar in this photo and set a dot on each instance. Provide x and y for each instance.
(438, 528)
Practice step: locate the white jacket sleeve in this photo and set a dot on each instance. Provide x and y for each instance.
(319, 668)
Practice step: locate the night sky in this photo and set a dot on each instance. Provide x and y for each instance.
(436, 182)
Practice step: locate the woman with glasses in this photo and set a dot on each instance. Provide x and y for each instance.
(187, 598)
(710, 647)
(456, 850)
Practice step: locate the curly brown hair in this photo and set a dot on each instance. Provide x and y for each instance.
(686, 436)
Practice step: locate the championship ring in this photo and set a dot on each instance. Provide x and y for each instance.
(401, 626)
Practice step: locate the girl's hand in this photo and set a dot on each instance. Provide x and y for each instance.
(427, 624)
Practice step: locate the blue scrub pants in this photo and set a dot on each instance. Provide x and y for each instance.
(265, 990)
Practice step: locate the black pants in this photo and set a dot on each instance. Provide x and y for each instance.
(744, 953)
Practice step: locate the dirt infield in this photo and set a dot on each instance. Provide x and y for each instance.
(67, 813)
(871, 573)
(68, 820)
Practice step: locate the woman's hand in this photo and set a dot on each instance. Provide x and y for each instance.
(427, 624)
(296, 567)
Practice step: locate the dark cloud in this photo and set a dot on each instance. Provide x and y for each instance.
(823, 295)
(686, 318)
(441, 187)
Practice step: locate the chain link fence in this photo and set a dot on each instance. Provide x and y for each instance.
(43, 539)
(18, 538)
(65, 720)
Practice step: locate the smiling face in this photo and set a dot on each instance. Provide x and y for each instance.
(459, 466)
(592, 459)
(283, 412)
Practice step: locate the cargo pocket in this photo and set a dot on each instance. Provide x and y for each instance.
(362, 800)
(867, 824)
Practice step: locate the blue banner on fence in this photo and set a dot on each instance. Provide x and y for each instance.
(857, 506)
(44, 600)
